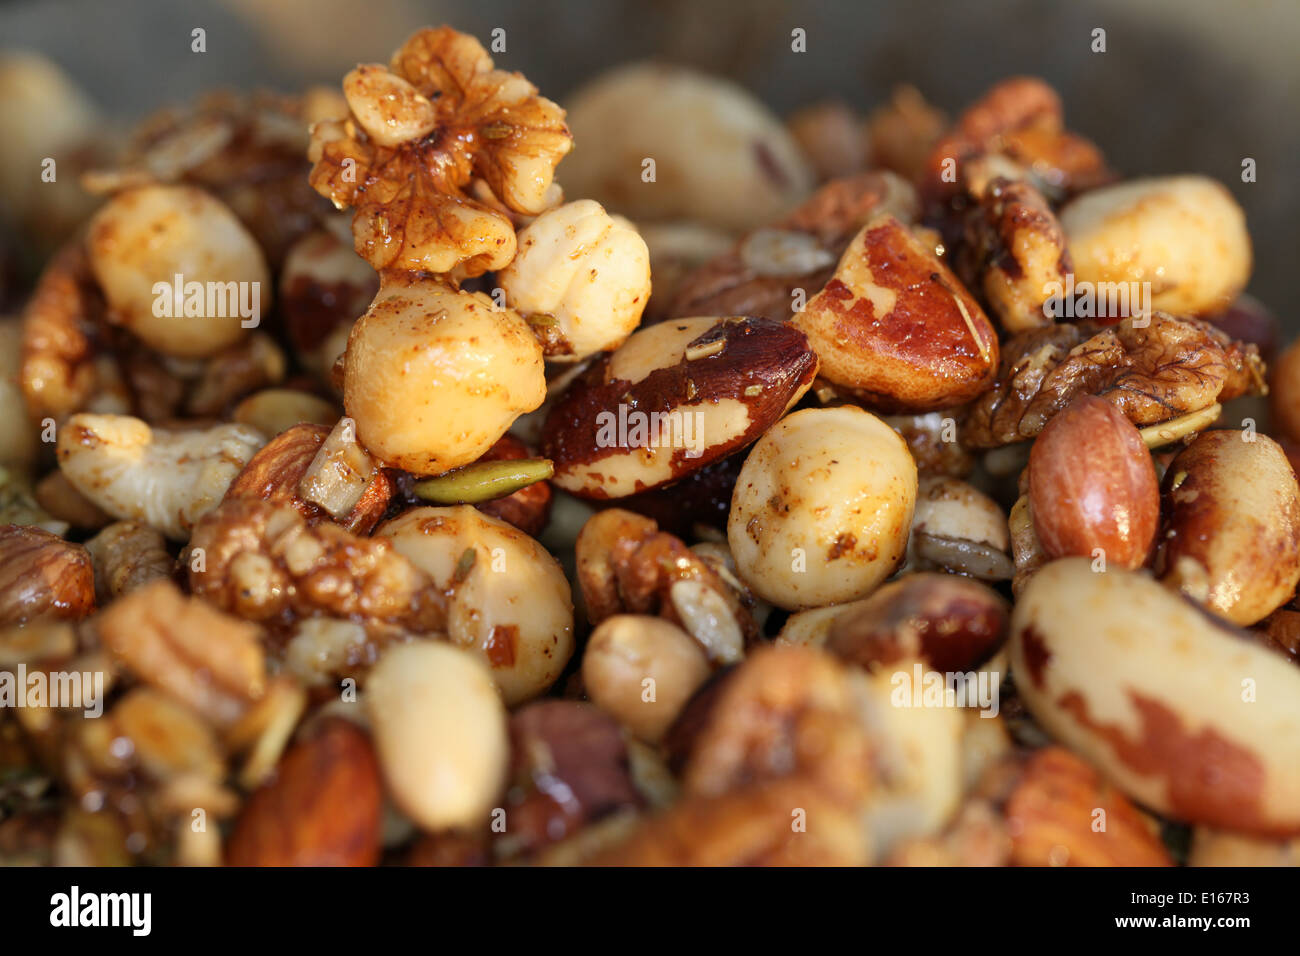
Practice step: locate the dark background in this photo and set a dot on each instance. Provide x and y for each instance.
(1185, 85)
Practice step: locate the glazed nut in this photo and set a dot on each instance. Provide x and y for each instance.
(508, 602)
(275, 410)
(42, 576)
(19, 436)
(1180, 710)
(831, 137)
(1106, 500)
(581, 277)
(187, 648)
(389, 109)
(950, 623)
(1284, 395)
(863, 325)
(127, 555)
(337, 478)
(1054, 811)
(721, 158)
(1231, 520)
(324, 286)
(166, 479)
(642, 671)
(672, 399)
(440, 732)
(324, 807)
(822, 509)
(144, 238)
(424, 355)
(1185, 235)
(958, 528)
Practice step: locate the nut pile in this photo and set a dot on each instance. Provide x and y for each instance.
(926, 509)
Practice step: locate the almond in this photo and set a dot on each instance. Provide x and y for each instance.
(1092, 485)
(897, 328)
(1062, 813)
(324, 807)
(42, 575)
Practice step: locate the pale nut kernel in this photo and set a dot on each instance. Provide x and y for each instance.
(1092, 485)
(1230, 536)
(582, 277)
(166, 479)
(1185, 235)
(440, 731)
(642, 670)
(959, 529)
(897, 328)
(822, 509)
(720, 157)
(1186, 714)
(389, 109)
(508, 599)
(142, 239)
(433, 376)
(276, 410)
(673, 398)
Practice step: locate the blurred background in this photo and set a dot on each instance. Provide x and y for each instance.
(1184, 85)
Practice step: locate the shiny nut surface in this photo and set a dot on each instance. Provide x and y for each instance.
(1172, 705)
(41, 575)
(822, 509)
(1092, 485)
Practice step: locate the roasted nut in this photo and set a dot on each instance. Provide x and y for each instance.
(324, 807)
(642, 670)
(19, 437)
(127, 555)
(264, 562)
(776, 269)
(813, 627)
(338, 477)
(1171, 704)
(952, 624)
(582, 279)
(625, 564)
(901, 133)
(440, 731)
(1026, 550)
(863, 325)
(57, 496)
(185, 647)
(1285, 393)
(1106, 499)
(167, 479)
(42, 576)
(673, 398)
(424, 356)
(1062, 813)
(959, 529)
(508, 601)
(1281, 631)
(324, 287)
(977, 837)
(831, 137)
(412, 212)
(569, 767)
(932, 440)
(276, 410)
(822, 508)
(143, 238)
(1185, 235)
(1151, 372)
(720, 157)
(1230, 536)
(1223, 848)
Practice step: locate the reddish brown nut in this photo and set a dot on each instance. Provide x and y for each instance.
(673, 398)
(324, 807)
(529, 508)
(41, 575)
(901, 133)
(569, 767)
(1062, 813)
(896, 328)
(1281, 631)
(1092, 485)
(273, 475)
(949, 622)
(831, 136)
(1231, 530)
(1251, 321)
(1284, 396)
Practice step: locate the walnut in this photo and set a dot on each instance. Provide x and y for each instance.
(1151, 374)
(187, 648)
(264, 562)
(41, 575)
(420, 132)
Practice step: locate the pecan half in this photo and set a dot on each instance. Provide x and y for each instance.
(41, 575)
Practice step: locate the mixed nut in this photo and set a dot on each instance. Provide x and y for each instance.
(846, 491)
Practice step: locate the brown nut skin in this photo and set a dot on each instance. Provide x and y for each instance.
(1092, 485)
(1052, 811)
(1284, 396)
(41, 575)
(727, 379)
(324, 807)
(1230, 537)
(949, 622)
(569, 767)
(896, 328)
